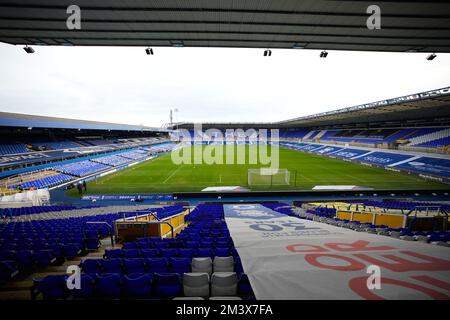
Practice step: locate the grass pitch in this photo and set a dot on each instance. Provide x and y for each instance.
(161, 175)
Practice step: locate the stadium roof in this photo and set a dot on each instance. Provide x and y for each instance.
(422, 26)
(426, 108)
(31, 121)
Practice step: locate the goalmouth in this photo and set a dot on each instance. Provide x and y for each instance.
(268, 177)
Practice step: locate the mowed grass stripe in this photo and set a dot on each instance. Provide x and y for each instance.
(161, 175)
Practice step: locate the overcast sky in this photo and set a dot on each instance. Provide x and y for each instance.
(124, 85)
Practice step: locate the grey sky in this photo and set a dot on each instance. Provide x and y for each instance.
(125, 85)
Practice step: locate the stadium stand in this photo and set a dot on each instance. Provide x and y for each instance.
(99, 142)
(57, 145)
(112, 160)
(45, 182)
(435, 140)
(201, 257)
(57, 233)
(134, 155)
(15, 212)
(80, 168)
(12, 148)
(378, 136)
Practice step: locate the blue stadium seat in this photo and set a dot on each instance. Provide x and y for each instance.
(205, 252)
(25, 259)
(130, 245)
(8, 270)
(52, 287)
(113, 253)
(150, 253)
(134, 265)
(168, 253)
(111, 265)
(138, 286)
(186, 252)
(87, 287)
(109, 286)
(180, 265)
(222, 252)
(167, 285)
(91, 266)
(131, 253)
(71, 250)
(44, 258)
(157, 265)
(92, 243)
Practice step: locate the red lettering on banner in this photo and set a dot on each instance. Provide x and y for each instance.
(359, 245)
(353, 265)
(294, 248)
(359, 286)
(433, 281)
(401, 265)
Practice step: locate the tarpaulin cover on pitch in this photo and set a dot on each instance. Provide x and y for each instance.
(291, 258)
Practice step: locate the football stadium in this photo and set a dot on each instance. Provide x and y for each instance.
(344, 203)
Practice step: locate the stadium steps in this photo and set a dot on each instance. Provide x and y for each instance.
(19, 288)
(320, 134)
(309, 134)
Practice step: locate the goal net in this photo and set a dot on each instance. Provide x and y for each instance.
(267, 177)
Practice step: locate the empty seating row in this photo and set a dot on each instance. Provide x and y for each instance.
(111, 160)
(81, 168)
(57, 145)
(133, 155)
(40, 243)
(187, 252)
(14, 212)
(143, 286)
(173, 264)
(45, 182)
(12, 148)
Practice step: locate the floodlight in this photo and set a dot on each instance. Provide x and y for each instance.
(28, 49)
(431, 57)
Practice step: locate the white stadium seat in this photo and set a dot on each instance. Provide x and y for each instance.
(224, 264)
(202, 265)
(224, 284)
(196, 284)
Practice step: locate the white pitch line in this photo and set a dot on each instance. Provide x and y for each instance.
(171, 175)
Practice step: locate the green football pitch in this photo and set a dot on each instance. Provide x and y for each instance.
(161, 175)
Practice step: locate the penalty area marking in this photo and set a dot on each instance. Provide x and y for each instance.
(171, 175)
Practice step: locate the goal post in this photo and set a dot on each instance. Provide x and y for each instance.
(268, 177)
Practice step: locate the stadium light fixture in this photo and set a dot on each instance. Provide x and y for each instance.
(149, 51)
(298, 46)
(177, 43)
(431, 57)
(267, 53)
(323, 54)
(28, 49)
